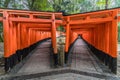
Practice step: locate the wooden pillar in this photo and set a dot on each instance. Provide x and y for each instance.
(21, 35)
(54, 43)
(18, 36)
(114, 34)
(6, 40)
(40, 35)
(107, 37)
(67, 35)
(11, 41)
(103, 36)
(14, 36)
(92, 38)
(114, 41)
(107, 43)
(70, 36)
(67, 40)
(24, 39)
(6, 35)
(54, 34)
(95, 37)
(29, 36)
(33, 36)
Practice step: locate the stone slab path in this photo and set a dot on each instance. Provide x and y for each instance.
(84, 66)
(83, 59)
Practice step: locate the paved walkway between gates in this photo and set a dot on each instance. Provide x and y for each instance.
(84, 66)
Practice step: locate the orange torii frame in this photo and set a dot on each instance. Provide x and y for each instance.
(98, 30)
(24, 29)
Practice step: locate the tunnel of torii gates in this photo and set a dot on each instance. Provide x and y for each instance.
(23, 30)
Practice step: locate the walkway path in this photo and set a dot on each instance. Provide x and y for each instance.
(82, 59)
(84, 66)
(39, 61)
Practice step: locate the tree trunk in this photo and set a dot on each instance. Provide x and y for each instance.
(106, 5)
(6, 3)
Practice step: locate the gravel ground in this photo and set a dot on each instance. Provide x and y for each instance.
(1, 58)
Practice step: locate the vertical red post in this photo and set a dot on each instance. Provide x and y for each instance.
(113, 43)
(67, 35)
(18, 36)
(6, 34)
(6, 40)
(54, 34)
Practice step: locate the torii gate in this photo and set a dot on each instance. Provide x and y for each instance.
(99, 30)
(24, 29)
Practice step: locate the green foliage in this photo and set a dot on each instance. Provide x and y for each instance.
(60, 28)
(90, 4)
(114, 3)
(41, 5)
(65, 6)
(104, 4)
(1, 32)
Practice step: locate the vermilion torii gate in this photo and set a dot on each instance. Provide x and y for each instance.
(23, 30)
(99, 30)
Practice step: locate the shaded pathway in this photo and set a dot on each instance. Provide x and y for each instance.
(39, 61)
(84, 60)
(84, 66)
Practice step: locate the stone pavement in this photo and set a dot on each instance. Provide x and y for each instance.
(39, 61)
(84, 60)
(66, 76)
(84, 66)
(1, 58)
(1, 49)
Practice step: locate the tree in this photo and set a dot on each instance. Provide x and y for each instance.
(88, 5)
(66, 6)
(115, 3)
(40, 5)
(1, 32)
(4, 3)
(106, 5)
(60, 28)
